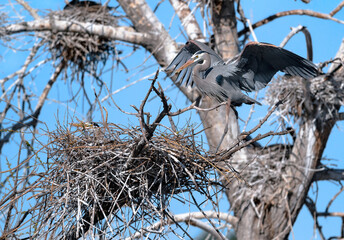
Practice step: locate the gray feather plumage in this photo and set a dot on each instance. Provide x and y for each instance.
(250, 71)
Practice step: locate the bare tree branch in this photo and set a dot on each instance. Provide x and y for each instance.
(337, 9)
(193, 106)
(190, 218)
(329, 174)
(34, 116)
(32, 11)
(145, 20)
(333, 198)
(307, 36)
(288, 13)
(126, 34)
(330, 214)
(187, 19)
(313, 211)
(164, 48)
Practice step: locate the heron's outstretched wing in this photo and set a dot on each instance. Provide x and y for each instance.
(259, 62)
(184, 55)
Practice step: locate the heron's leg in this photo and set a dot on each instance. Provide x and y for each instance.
(235, 111)
(228, 107)
(198, 101)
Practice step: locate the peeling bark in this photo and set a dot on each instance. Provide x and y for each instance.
(187, 19)
(145, 20)
(225, 31)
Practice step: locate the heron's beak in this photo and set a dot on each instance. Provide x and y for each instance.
(188, 63)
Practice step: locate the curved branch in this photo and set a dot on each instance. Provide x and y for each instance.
(288, 13)
(126, 34)
(307, 36)
(191, 219)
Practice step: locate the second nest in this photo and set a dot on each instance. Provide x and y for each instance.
(82, 50)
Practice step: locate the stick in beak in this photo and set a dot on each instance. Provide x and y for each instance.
(188, 63)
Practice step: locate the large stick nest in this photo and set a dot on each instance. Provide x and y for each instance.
(82, 50)
(317, 98)
(94, 174)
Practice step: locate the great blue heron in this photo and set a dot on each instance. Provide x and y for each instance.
(252, 70)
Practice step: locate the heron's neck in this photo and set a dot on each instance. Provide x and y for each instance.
(202, 66)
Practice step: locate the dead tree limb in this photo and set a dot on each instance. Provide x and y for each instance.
(329, 174)
(288, 13)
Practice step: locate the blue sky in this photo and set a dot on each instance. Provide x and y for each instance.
(326, 35)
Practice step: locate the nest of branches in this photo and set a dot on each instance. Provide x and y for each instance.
(319, 97)
(263, 176)
(98, 170)
(82, 50)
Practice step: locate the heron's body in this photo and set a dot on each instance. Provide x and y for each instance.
(220, 89)
(252, 70)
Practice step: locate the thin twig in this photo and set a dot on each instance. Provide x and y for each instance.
(333, 198)
(337, 9)
(34, 116)
(228, 153)
(193, 106)
(312, 209)
(32, 11)
(251, 112)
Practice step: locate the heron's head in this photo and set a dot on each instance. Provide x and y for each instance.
(198, 57)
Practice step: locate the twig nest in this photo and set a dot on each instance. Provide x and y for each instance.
(318, 97)
(82, 50)
(93, 173)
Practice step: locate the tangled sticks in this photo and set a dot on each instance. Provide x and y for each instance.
(104, 174)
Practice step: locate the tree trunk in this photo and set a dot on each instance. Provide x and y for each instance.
(268, 209)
